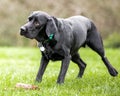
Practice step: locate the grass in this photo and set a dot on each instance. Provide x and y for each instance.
(21, 65)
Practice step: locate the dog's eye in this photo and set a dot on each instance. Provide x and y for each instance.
(30, 19)
(36, 23)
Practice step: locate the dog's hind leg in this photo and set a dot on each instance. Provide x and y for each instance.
(94, 41)
(76, 59)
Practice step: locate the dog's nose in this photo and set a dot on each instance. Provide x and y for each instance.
(23, 30)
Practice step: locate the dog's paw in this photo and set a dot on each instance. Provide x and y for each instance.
(38, 80)
(113, 72)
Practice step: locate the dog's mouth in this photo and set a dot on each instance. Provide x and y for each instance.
(22, 33)
(25, 34)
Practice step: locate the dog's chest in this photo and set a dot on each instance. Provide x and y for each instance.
(51, 53)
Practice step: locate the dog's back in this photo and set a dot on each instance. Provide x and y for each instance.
(77, 28)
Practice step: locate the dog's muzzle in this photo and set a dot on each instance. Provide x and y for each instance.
(23, 30)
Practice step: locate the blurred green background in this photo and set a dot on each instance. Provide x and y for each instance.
(14, 13)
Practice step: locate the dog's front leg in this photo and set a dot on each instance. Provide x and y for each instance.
(64, 68)
(43, 65)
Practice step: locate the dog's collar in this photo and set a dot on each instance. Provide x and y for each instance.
(40, 44)
(49, 38)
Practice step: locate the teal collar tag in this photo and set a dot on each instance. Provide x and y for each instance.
(51, 36)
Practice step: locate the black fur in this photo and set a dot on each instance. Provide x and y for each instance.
(69, 35)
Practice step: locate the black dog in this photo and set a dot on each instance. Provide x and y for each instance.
(60, 39)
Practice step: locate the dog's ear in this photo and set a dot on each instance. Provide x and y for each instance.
(51, 27)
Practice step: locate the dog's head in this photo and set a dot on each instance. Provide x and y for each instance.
(36, 22)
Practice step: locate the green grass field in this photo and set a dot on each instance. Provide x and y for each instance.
(21, 65)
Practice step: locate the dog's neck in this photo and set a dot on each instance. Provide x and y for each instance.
(45, 40)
